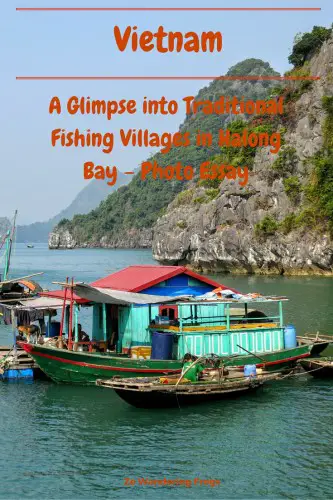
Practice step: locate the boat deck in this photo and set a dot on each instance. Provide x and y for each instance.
(229, 383)
(19, 360)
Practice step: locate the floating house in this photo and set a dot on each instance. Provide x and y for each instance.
(156, 314)
(129, 323)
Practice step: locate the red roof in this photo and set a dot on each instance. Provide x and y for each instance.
(138, 278)
(60, 294)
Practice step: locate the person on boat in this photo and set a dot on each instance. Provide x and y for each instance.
(113, 341)
(82, 335)
(191, 371)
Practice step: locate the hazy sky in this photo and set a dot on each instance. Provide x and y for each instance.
(40, 180)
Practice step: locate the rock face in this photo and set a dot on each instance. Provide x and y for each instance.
(220, 234)
(61, 239)
(133, 238)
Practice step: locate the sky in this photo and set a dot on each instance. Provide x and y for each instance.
(40, 180)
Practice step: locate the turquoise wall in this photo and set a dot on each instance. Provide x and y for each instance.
(133, 325)
(134, 321)
(97, 322)
(261, 340)
(208, 314)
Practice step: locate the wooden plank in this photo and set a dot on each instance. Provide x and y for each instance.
(21, 278)
(237, 326)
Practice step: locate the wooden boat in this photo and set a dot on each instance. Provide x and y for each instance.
(154, 393)
(63, 365)
(318, 367)
(199, 325)
(12, 290)
(14, 362)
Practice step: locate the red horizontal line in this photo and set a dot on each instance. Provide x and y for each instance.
(129, 173)
(159, 9)
(30, 349)
(227, 77)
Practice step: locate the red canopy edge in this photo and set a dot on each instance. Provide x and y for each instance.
(60, 294)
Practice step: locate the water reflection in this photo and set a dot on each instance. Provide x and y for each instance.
(87, 439)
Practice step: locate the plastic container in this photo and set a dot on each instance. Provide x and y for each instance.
(250, 371)
(140, 352)
(162, 320)
(53, 329)
(162, 345)
(17, 374)
(290, 339)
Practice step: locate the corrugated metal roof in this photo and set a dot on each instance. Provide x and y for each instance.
(109, 296)
(138, 278)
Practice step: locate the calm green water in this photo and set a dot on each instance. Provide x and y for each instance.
(78, 442)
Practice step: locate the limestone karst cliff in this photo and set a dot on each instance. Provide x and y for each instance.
(280, 222)
(276, 224)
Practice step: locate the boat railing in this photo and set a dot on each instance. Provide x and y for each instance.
(72, 345)
(92, 345)
(222, 325)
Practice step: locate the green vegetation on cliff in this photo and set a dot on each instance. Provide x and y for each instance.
(316, 210)
(319, 191)
(266, 227)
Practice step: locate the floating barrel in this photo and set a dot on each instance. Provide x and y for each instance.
(162, 345)
(53, 329)
(11, 374)
(250, 370)
(290, 339)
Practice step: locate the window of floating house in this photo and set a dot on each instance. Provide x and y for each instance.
(170, 311)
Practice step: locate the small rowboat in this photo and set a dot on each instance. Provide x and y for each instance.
(318, 367)
(165, 393)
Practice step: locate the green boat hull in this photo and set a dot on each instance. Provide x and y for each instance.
(85, 368)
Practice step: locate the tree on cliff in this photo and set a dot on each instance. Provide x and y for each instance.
(308, 43)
